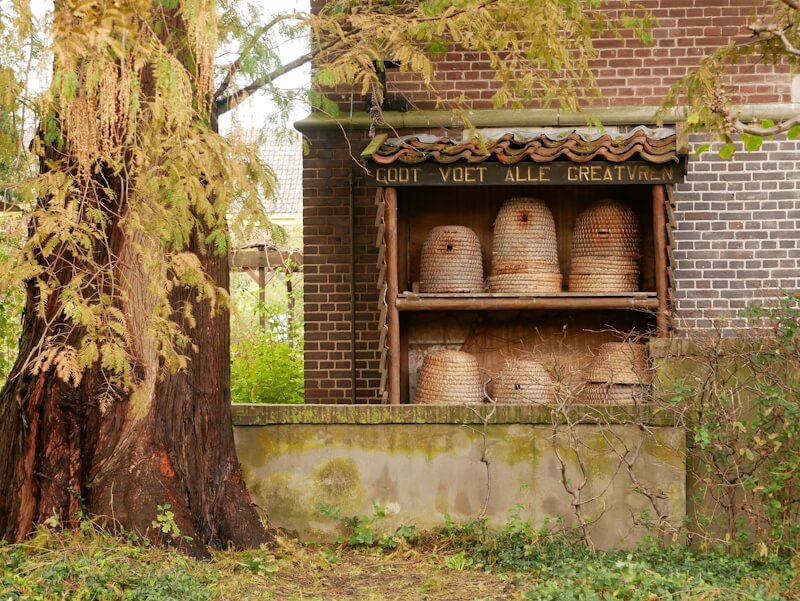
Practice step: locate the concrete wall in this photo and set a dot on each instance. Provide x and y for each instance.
(425, 461)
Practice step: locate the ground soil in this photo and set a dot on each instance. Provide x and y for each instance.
(303, 573)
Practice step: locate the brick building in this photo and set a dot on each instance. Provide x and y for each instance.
(735, 224)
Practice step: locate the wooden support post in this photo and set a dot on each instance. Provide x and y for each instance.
(262, 298)
(290, 305)
(660, 241)
(393, 317)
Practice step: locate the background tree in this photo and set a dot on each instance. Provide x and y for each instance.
(119, 401)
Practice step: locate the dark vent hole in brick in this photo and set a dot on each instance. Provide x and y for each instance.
(517, 386)
(604, 233)
(525, 218)
(449, 247)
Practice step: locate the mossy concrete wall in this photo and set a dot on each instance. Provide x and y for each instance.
(425, 462)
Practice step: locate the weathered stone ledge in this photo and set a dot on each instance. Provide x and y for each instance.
(264, 415)
(615, 115)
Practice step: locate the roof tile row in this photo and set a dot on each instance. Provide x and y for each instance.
(541, 148)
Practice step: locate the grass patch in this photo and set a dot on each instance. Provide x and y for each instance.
(463, 563)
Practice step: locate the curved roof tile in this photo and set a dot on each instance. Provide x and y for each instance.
(654, 146)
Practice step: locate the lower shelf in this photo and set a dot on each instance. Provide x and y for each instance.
(569, 301)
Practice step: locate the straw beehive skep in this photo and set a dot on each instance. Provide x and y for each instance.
(451, 260)
(615, 394)
(524, 381)
(599, 282)
(525, 230)
(607, 228)
(604, 265)
(449, 377)
(620, 363)
(526, 283)
(524, 250)
(605, 249)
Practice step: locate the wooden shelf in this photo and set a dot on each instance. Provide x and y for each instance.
(570, 301)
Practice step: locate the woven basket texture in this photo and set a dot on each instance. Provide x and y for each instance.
(620, 363)
(615, 394)
(524, 381)
(529, 267)
(450, 378)
(526, 283)
(604, 265)
(451, 260)
(581, 282)
(607, 228)
(524, 230)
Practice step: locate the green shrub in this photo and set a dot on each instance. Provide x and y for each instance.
(554, 565)
(739, 405)
(266, 346)
(267, 371)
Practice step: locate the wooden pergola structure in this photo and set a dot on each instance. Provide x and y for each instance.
(261, 262)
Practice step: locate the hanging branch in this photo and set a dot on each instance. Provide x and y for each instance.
(248, 47)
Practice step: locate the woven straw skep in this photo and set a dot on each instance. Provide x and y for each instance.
(620, 363)
(615, 394)
(451, 260)
(605, 249)
(449, 377)
(526, 283)
(525, 230)
(607, 228)
(597, 282)
(525, 251)
(605, 265)
(524, 381)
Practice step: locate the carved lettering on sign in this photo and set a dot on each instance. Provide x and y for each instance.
(397, 175)
(556, 172)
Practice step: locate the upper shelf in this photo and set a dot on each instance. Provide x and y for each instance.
(410, 301)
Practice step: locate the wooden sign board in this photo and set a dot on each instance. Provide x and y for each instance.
(527, 174)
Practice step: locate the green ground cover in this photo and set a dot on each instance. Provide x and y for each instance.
(456, 563)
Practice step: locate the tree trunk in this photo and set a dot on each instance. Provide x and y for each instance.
(62, 453)
(65, 449)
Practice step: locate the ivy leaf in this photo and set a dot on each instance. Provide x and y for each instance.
(701, 149)
(693, 119)
(751, 142)
(794, 132)
(767, 123)
(727, 151)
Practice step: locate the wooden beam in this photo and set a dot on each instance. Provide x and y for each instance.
(393, 317)
(373, 146)
(660, 243)
(253, 258)
(566, 303)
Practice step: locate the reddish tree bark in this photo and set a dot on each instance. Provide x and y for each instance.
(61, 453)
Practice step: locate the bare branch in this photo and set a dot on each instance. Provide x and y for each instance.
(775, 31)
(226, 103)
(248, 47)
(782, 127)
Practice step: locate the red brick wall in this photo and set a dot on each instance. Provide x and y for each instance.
(630, 74)
(328, 272)
(627, 71)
